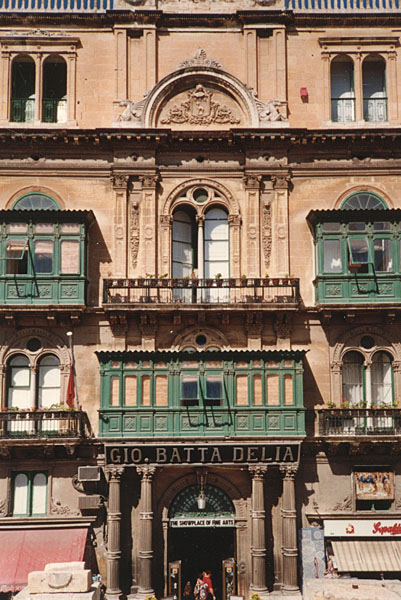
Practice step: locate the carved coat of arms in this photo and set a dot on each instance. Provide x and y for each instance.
(200, 109)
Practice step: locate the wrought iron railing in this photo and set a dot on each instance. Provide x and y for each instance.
(22, 110)
(342, 110)
(44, 423)
(54, 110)
(359, 421)
(201, 291)
(375, 110)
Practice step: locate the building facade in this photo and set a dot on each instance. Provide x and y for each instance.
(200, 291)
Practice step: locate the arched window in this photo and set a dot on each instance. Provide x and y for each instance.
(23, 90)
(216, 240)
(48, 381)
(367, 380)
(382, 379)
(342, 89)
(54, 102)
(374, 89)
(19, 383)
(352, 376)
(363, 201)
(29, 494)
(185, 242)
(36, 201)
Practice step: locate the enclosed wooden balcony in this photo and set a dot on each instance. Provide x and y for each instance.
(44, 423)
(351, 422)
(159, 291)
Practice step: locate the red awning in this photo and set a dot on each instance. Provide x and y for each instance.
(26, 550)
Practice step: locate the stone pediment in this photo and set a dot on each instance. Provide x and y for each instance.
(201, 95)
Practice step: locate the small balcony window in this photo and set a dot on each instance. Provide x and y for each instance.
(23, 90)
(342, 90)
(29, 493)
(374, 89)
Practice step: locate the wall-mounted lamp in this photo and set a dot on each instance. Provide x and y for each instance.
(304, 94)
(201, 476)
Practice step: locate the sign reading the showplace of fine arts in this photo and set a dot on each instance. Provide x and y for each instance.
(174, 454)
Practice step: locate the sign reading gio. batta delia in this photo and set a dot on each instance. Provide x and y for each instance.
(181, 454)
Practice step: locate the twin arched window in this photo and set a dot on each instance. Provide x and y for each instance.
(29, 387)
(345, 104)
(25, 104)
(200, 244)
(367, 383)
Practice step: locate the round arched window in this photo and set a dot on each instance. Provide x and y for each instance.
(363, 201)
(36, 201)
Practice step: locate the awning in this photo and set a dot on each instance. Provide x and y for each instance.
(26, 550)
(367, 555)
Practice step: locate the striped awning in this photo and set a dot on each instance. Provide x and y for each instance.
(367, 555)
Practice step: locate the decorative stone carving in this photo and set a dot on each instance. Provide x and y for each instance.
(268, 110)
(60, 577)
(200, 109)
(200, 60)
(149, 180)
(281, 181)
(346, 504)
(283, 326)
(35, 33)
(119, 181)
(251, 181)
(134, 232)
(267, 233)
(56, 508)
(133, 110)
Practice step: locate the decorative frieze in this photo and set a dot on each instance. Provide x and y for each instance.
(134, 232)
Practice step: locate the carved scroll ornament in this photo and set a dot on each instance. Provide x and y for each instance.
(267, 233)
(134, 233)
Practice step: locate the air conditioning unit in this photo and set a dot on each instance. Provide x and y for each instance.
(90, 502)
(88, 473)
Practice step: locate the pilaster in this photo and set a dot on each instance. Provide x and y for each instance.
(148, 222)
(120, 187)
(252, 186)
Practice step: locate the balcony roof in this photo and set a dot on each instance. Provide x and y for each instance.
(104, 356)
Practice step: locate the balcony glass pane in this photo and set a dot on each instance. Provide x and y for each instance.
(115, 391)
(357, 226)
(49, 381)
(17, 257)
(44, 228)
(331, 227)
(69, 256)
(257, 390)
(383, 258)
(273, 395)
(130, 390)
(39, 493)
(161, 390)
(214, 386)
(359, 250)
(288, 390)
(189, 387)
(43, 256)
(70, 228)
(332, 256)
(145, 390)
(242, 390)
(382, 226)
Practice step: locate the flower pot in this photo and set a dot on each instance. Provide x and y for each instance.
(232, 282)
(275, 281)
(265, 282)
(244, 282)
(164, 282)
(209, 282)
(195, 282)
(219, 282)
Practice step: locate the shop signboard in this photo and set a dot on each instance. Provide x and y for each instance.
(181, 454)
(353, 528)
(201, 522)
(374, 485)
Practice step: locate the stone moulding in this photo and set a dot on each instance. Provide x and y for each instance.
(201, 94)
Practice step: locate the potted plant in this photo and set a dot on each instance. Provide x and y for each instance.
(219, 280)
(185, 281)
(265, 280)
(174, 282)
(232, 281)
(284, 280)
(163, 280)
(275, 281)
(141, 280)
(209, 282)
(244, 280)
(194, 279)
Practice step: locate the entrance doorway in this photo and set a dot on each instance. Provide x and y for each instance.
(201, 548)
(202, 534)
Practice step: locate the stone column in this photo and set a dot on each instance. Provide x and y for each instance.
(392, 87)
(145, 533)
(280, 242)
(200, 219)
(38, 87)
(113, 554)
(326, 86)
(234, 223)
(258, 548)
(71, 87)
(358, 87)
(289, 530)
(5, 86)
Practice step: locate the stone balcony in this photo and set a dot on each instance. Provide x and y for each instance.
(43, 424)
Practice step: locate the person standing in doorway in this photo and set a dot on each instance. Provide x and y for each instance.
(207, 578)
(201, 589)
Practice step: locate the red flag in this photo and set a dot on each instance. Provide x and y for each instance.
(70, 388)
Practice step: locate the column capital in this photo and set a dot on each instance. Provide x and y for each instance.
(146, 472)
(115, 473)
(149, 180)
(119, 180)
(257, 471)
(166, 219)
(234, 220)
(252, 181)
(289, 471)
(281, 181)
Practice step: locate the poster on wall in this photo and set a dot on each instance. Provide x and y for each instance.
(374, 485)
(312, 553)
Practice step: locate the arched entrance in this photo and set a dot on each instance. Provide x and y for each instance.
(201, 539)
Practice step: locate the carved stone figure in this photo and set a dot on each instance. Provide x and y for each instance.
(133, 110)
(200, 60)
